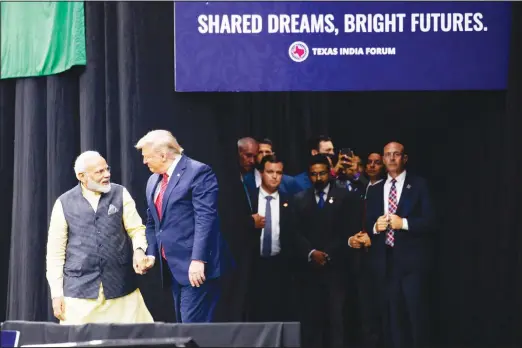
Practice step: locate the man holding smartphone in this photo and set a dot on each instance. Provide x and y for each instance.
(348, 174)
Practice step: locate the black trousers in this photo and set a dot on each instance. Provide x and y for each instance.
(368, 309)
(270, 292)
(321, 306)
(405, 307)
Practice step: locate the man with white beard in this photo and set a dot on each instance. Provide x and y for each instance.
(95, 248)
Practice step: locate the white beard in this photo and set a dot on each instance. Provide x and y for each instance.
(94, 186)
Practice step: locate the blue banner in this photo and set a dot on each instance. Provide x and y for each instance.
(341, 46)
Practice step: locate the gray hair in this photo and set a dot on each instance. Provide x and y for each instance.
(244, 142)
(160, 139)
(82, 161)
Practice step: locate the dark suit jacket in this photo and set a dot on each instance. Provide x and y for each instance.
(413, 249)
(189, 228)
(286, 225)
(327, 229)
(357, 186)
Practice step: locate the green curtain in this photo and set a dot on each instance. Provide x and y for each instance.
(41, 38)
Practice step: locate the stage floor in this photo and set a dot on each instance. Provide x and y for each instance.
(204, 335)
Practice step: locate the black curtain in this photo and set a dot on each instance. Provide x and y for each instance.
(465, 143)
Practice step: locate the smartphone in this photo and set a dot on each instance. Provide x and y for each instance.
(347, 151)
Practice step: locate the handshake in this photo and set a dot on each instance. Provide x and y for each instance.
(141, 262)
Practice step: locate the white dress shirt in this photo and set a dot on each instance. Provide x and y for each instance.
(325, 190)
(257, 176)
(274, 210)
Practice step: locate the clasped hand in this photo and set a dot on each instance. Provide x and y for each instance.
(359, 240)
(141, 262)
(391, 220)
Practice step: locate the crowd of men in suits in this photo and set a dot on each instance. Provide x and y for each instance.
(340, 230)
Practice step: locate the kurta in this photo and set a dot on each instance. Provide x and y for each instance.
(127, 309)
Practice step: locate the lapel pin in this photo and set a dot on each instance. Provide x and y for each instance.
(331, 200)
(408, 187)
(285, 204)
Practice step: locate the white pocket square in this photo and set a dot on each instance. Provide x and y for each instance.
(112, 209)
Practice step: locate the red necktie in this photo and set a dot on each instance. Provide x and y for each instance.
(159, 202)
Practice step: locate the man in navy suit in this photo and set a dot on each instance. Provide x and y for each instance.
(401, 225)
(182, 225)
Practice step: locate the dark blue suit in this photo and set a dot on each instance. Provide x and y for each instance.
(288, 184)
(189, 230)
(402, 272)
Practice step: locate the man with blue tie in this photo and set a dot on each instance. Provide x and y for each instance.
(326, 216)
(270, 298)
(182, 225)
(399, 212)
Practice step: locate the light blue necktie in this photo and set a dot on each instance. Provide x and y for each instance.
(267, 235)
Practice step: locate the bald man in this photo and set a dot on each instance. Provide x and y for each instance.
(399, 212)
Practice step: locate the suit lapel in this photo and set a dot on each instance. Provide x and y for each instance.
(331, 199)
(405, 199)
(331, 196)
(152, 190)
(254, 198)
(176, 176)
(284, 221)
(382, 197)
(284, 209)
(312, 203)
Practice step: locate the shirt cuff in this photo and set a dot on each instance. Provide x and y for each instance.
(349, 241)
(375, 229)
(405, 224)
(310, 255)
(56, 292)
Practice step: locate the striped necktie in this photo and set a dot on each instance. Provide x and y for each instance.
(392, 208)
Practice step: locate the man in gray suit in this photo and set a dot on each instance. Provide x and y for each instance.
(96, 245)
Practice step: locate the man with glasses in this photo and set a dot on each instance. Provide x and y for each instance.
(401, 225)
(95, 247)
(325, 216)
